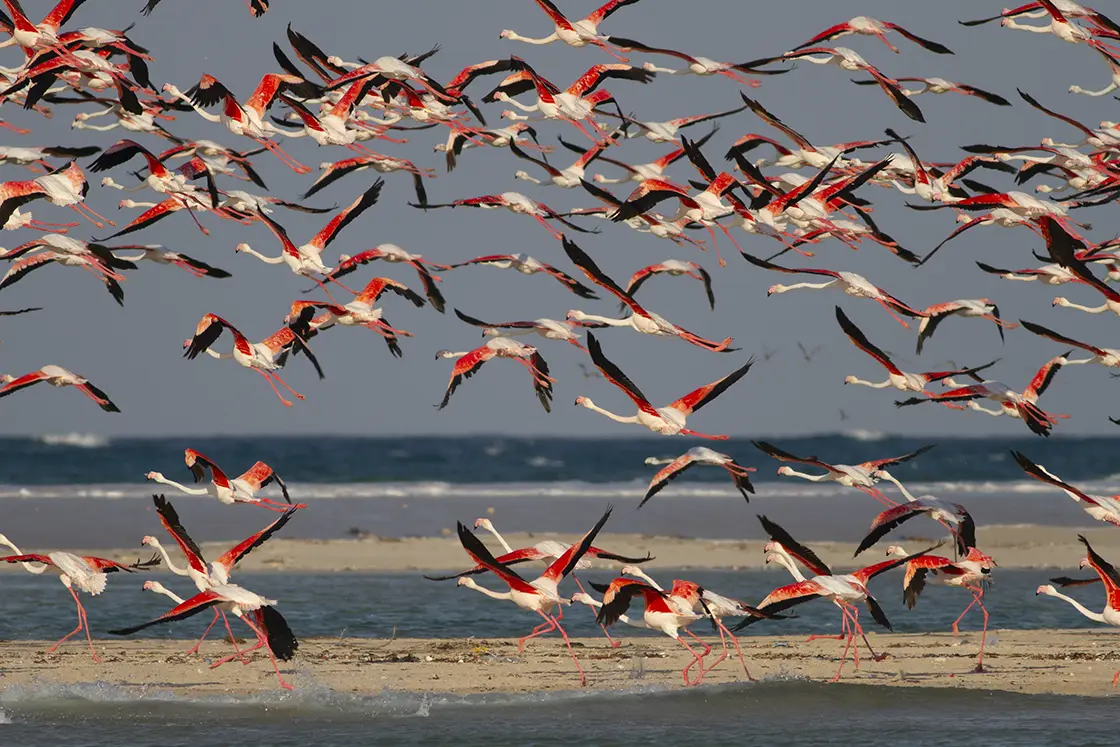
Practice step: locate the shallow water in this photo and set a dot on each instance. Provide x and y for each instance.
(777, 712)
(373, 605)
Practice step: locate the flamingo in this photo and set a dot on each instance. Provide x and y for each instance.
(42, 36)
(25, 156)
(574, 33)
(1016, 404)
(393, 253)
(1048, 274)
(527, 265)
(866, 26)
(206, 576)
(896, 377)
(940, 86)
(669, 420)
(306, 323)
(1104, 508)
(788, 552)
(1111, 579)
(847, 59)
(564, 178)
(549, 329)
(845, 590)
(160, 256)
(541, 595)
(66, 186)
(257, 8)
(1037, 10)
(667, 131)
(740, 475)
(641, 320)
(694, 65)
(160, 179)
(469, 362)
(238, 601)
(1109, 357)
(59, 377)
(691, 597)
(1059, 26)
(460, 140)
(860, 476)
(247, 119)
(379, 163)
(943, 512)
(516, 203)
(264, 357)
(84, 572)
(674, 268)
(1114, 69)
(972, 572)
(981, 308)
(241, 489)
(661, 613)
(637, 172)
(306, 259)
(849, 282)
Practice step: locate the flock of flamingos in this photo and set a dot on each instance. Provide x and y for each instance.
(808, 194)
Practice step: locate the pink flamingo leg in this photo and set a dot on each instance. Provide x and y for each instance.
(13, 128)
(687, 432)
(547, 626)
(741, 79)
(843, 657)
(843, 629)
(287, 160)
(269, 380)
(263, 641)
(859, 629)
(568, 643)
(697, 659)
(194, 649)
(978, 597)
(555, 234)
(76, 630)
(956, 630)
(890, 311)
(97, 224)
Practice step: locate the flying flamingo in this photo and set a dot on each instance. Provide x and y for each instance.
(274, 634)
(564, 178)
(57, 376)
(1048, 274)
(1109, 357)
(574, 33)
(972, 572)
(85, 572)
(673, 268)
(669, 420)
(860, 476)
(849, 60)
(160, 256)
(541, 595)
(206, 576)
(247, 119)
(1060, 27)
(516, 203)
(66, 186)
(1111, 579)
(845, 590)
(1113, 67)
(42, 36)
(940, 86)
(527, 265)
(469, 362)
(667, 132)
(866, 26)
(740, 475)
(896, 377)
(306, 259)
(1104, 508)
(1036, 9)
(1021, 405)
(549, 329)
(849, 282)
(379, 163)
(943, 512)
(460, 140)
(393, 253)
(694, 65)
(241, 489)
(306, 322)
(257, 8)
(95, 258)
(980, 308)
(264, 357)
(640, 319)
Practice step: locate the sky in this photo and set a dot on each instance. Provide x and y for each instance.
(134, 353)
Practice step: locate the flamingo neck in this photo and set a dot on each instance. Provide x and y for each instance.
(1096, 616)
(501, 540)
(29, 567)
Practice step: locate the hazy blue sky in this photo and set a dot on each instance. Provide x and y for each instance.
(135, 353)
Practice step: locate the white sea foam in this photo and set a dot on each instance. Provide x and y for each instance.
(76, 440)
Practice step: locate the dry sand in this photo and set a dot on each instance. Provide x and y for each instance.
(1043, 661)
(1013, 546)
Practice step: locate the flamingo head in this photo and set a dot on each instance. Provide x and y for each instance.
(6, 378)
(649, 66)
(1046, 589)
(582, 598)
(483, 524)
(506, 34)
(466, 581)
(444, 354)
(849, 379)
(153, 476)
(1059, 301)
(149, 540)
(631, 570)
(896, 551)
(1084, 564)
(785, 470)
(241, 247)
(584, 402)
(773, 289)
(575, 315)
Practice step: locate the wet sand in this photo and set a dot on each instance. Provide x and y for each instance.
(1030, 662)
(1013, 546)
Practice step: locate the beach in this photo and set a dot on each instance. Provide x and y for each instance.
(1025, 662)
(1013, 546)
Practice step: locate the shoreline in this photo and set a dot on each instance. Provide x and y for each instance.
(1077, 662)
(1014, 546)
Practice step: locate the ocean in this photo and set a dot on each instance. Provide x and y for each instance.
(86, 491)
